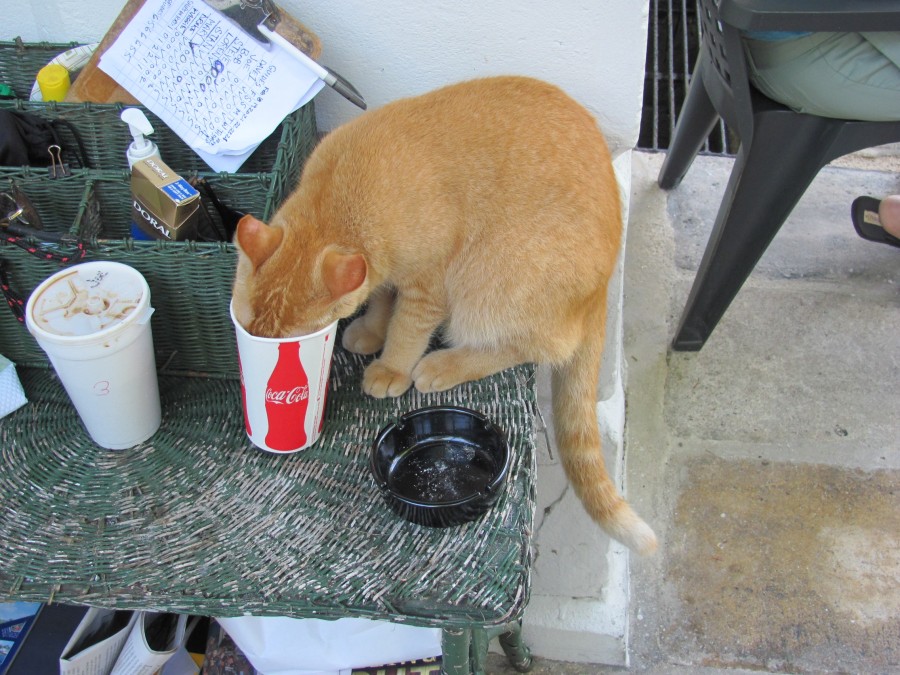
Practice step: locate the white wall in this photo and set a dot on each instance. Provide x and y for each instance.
(594, 49)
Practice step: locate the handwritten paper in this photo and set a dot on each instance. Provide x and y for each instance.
(222, 91)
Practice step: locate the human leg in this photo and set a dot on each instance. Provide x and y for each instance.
(841, 75)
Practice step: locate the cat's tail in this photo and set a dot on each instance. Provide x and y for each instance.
(578, 439)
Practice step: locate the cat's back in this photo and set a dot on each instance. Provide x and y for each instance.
(514, 121)
(485, 103)
(509, 163)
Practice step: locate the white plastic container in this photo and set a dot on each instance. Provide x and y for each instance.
(93, 320)
(164, 205)
(141, 147)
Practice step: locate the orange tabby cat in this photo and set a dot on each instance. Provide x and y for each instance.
(487, 210)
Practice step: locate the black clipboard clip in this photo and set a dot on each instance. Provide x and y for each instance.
(251, 14)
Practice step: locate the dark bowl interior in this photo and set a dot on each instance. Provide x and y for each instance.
(440, 466)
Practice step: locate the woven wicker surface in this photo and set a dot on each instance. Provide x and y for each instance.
(104, 135)
(197, 520)
(190, 282)
(190, 288)
(19, 64)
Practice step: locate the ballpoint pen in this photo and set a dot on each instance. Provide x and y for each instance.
(343, 87)
(334, 80)
(259, 18)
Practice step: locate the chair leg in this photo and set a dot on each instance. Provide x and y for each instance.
(479, 651)
(695, 122)
(767, 181)
(517, 652)
(455, 651)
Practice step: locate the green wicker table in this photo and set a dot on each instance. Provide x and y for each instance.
(198, 521)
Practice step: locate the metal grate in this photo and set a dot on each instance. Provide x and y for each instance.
(672, 47)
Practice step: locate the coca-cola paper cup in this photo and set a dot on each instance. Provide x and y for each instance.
(284, 387)
(93, 320)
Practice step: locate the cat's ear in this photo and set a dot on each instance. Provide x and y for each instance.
(257, 240)
(343, 272)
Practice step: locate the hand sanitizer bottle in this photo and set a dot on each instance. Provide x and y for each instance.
(164, 205)
(140, 127)
(140, 148)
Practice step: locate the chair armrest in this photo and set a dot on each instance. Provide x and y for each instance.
(811, 15)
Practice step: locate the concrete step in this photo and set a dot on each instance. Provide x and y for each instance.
(770, 459)
(768, 463)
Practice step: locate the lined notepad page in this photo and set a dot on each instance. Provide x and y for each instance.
(222, 91)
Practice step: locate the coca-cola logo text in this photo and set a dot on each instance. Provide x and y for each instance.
(287, 396)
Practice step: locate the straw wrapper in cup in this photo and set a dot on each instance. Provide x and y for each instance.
(93, 320)
(284, 387)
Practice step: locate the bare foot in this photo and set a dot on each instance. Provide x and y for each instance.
(889, 215)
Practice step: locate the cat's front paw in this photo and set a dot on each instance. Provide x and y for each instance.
(438, 371)
(381, 381)
(360, 339)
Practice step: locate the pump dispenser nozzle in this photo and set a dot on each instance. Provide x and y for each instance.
(140, 148)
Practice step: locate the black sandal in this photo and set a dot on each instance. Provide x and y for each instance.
(864, 213)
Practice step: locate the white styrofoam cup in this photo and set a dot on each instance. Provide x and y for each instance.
(93, 321)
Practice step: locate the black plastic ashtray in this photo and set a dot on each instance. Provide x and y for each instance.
(440, 466)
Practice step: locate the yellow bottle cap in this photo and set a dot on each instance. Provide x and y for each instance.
(54, 82)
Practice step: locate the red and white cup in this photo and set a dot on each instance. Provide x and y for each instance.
(284, 387)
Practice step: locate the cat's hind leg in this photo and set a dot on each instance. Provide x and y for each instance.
(366, 333)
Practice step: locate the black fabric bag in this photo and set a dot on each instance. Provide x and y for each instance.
(25, 140)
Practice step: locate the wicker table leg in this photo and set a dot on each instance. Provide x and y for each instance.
(480, 641)
(515, 648)
(455, 645)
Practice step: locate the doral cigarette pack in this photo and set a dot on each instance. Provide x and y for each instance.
(164, 205)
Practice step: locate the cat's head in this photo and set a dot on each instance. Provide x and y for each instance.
(288, 283)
